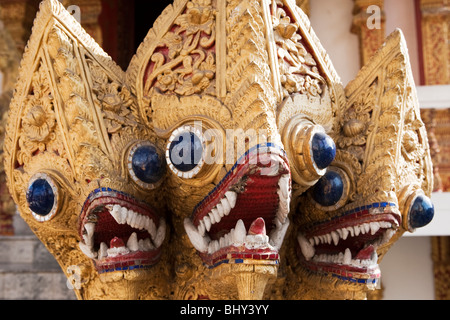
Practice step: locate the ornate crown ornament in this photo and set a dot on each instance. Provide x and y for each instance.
(227, 162)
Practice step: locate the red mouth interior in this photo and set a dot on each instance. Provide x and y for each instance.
(107, 229)
(357, 245)
(259, 200)
(361, 246)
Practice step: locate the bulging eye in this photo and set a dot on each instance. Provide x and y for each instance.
(331, 191)
(146, 164)
(421, 212)
(42, 197)
(323, 150)
(185, 151)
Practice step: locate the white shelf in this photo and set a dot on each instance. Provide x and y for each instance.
(437, 97)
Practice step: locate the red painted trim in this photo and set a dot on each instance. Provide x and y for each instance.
(420, 42)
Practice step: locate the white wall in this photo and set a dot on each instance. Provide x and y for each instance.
(407, 270)
(401, 14)
(332, 20)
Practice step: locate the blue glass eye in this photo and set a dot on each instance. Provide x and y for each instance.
(323, 150)
(329, 189)
(185, 152)
(421, 212)
(42, 197)
(146, 164)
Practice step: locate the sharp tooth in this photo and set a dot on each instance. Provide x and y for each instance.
(306, 247)
(200, 243)
(362, 229)
(123, 215)
(102, 252)
(207, 222)
(148, 245)
(90, 227)
(388, 235)
(161, 233)
(139, 222)
(283, 209)
(220, 212)
(87, 240)
(131, 219)
(213, 246)
(145, 245)
(357, 230)
(316, 240)
(222, 242)
(231, 196)
(132, 242)
(385, 224)
(115, 213)
(323, 239)
(329, 239)
(374, 227)
(87, 250)
(146, 223)
(347, 257)
(151, 228)
(212, 217)
(344, 233)
(226, 206)
(284, 186)
(339, 231)
(277, 235)
(374, 257)
(351, 230)
(141, 245)
(335, 237)
(366, 227)
(340, 258)
(201, 228)
(239, 233)
(284, 196)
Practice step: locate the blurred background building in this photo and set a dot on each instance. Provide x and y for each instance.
(418, 265)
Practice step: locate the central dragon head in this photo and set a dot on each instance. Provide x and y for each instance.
(204, 76)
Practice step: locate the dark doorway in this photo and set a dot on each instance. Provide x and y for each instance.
(125, 23)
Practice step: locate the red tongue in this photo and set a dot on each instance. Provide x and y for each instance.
(365, 254)
(116, 243)
(257, 227)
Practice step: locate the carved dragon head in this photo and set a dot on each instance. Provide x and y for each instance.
(204, 78)
(84, 171)
(376, 188)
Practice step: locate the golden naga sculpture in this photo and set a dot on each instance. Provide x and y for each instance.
(227, 162)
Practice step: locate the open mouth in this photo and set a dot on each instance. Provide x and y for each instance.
(346, 246)
(246, 215)
(120, 233)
